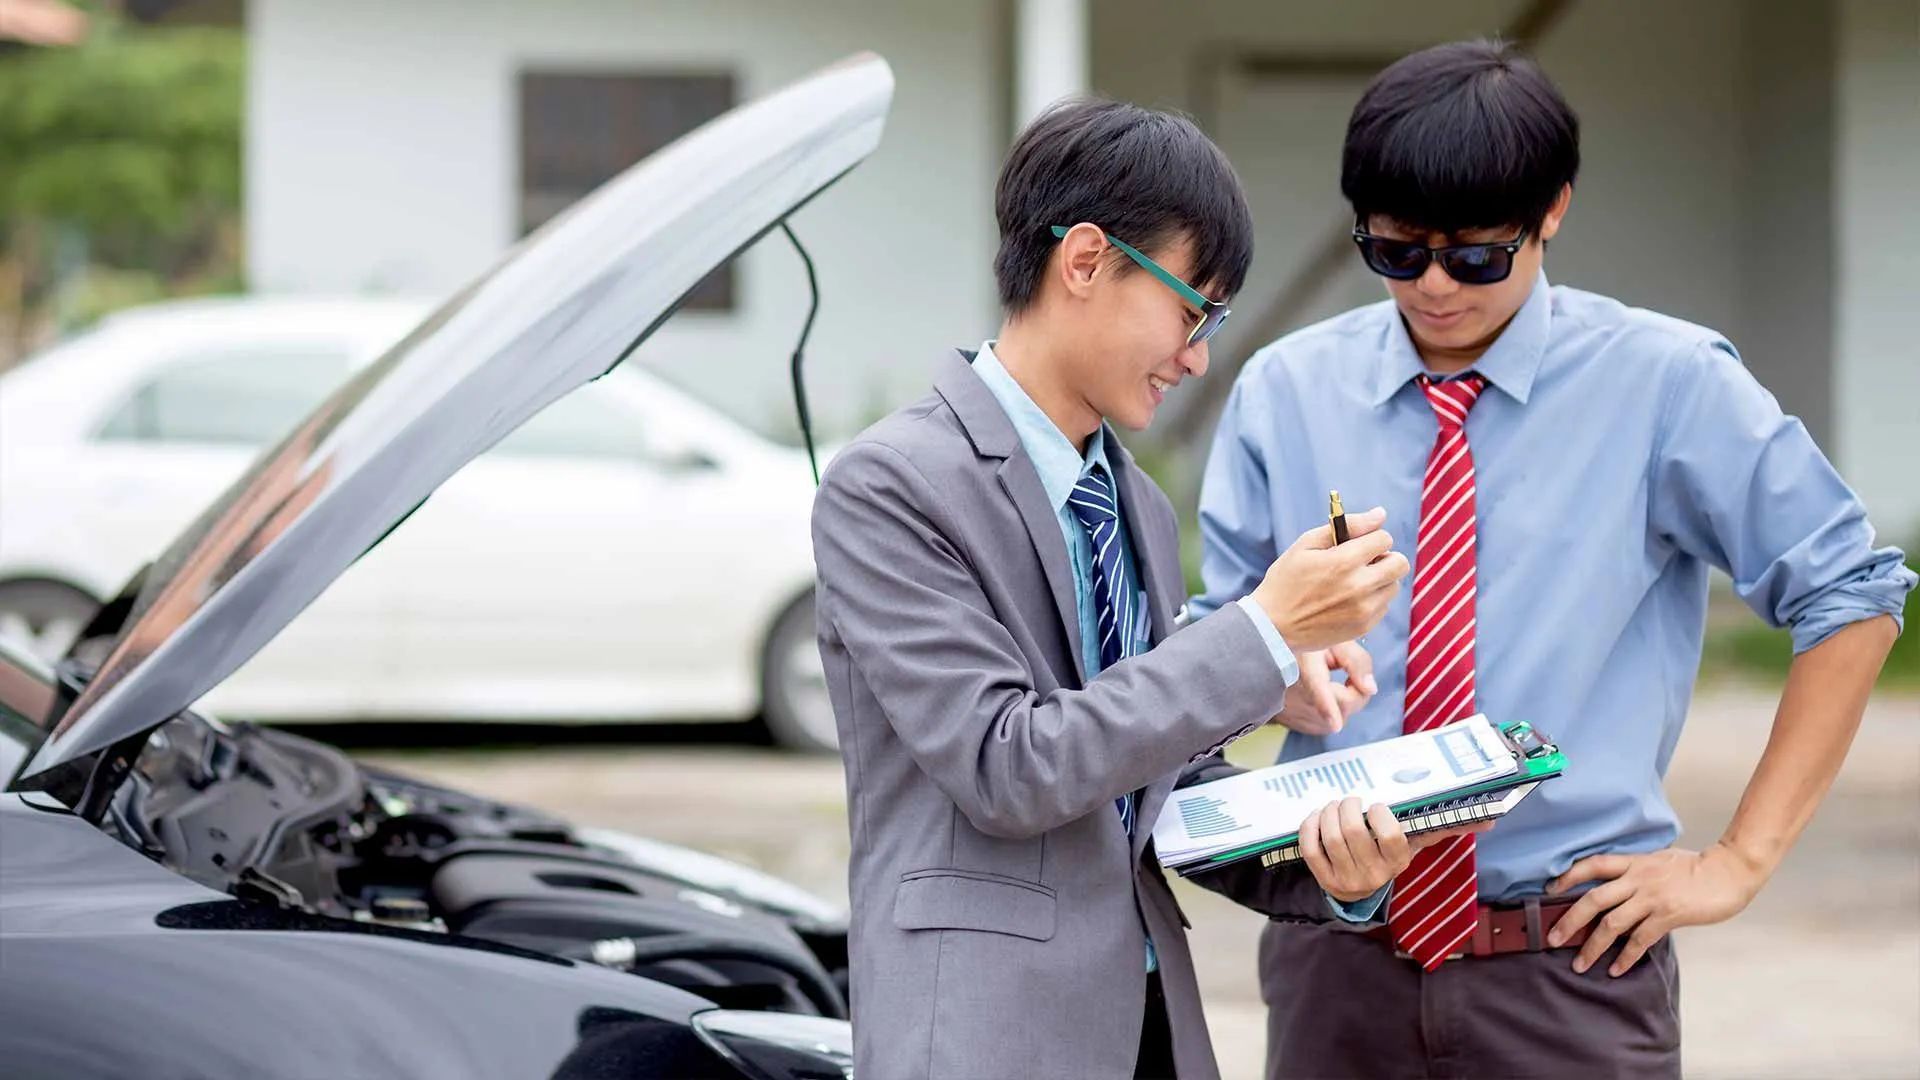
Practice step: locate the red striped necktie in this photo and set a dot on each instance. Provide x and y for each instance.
(1431, 912)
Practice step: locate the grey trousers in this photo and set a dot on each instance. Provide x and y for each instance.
(1340, 1004)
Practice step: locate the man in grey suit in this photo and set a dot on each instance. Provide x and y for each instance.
(983, 556)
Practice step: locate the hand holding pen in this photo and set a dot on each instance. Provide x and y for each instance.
(1319, 594)
(1318, 705)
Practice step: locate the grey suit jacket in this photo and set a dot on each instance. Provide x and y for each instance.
(998, 904)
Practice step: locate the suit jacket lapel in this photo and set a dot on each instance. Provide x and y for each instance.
(994, 437)
(1022, 483)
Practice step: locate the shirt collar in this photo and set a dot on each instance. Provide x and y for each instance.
(1060, 466)
(1510, 364)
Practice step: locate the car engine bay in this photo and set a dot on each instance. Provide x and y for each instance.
(275, 818)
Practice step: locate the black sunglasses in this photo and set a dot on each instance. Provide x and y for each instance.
(1468, 264)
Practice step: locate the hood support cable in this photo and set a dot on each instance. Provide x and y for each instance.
(799, 351)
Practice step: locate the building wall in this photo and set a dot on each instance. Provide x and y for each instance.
(1787, 231)
(1749, 173)
(382, 156)
(1877, 288)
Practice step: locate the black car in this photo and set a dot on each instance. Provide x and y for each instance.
(183, 897)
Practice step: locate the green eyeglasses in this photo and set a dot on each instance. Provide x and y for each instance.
(1211, 313)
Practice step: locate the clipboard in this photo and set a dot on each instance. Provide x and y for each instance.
(1536, 760)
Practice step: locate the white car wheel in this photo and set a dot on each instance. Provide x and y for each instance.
(43, 617)
(794, 684)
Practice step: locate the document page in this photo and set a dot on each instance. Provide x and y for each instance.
(1252, 807)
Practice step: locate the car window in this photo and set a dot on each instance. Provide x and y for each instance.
(591, 422)
(247, 397)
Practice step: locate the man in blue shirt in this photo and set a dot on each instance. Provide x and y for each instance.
(1571, 469)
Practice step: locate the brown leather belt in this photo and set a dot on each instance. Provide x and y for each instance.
(1501, 930)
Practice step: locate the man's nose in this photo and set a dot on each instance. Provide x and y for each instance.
(1194, 359)
(1436, 282)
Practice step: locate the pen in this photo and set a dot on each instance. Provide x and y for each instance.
(1337, 517)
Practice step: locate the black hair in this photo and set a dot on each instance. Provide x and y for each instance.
(1470, 135)
(1146, 177)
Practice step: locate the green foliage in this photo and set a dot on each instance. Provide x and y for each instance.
(129, 133)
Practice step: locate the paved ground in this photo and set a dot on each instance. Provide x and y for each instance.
(1819, 978)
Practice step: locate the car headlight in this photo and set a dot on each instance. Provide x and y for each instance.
(718, 875)
(780, 1046)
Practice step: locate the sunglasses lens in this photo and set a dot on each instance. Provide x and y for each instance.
(1479, 265)
(1208, 325)
(1392, 258)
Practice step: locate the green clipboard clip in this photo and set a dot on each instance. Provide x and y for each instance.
(1531, 746)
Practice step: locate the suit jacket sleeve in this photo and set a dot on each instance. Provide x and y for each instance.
(921, 632)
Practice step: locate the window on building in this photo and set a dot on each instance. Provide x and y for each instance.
(578, 131)
(248, 397)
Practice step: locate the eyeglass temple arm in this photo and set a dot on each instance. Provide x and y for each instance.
(1192, 295)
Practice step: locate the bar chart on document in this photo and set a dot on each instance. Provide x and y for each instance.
(1340, 779)
(1255, 805)
(1204, 817)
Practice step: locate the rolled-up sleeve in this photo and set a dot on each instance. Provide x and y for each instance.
(1742, 486)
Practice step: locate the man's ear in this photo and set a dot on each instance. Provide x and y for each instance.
(1082, 255)
(1550, 225)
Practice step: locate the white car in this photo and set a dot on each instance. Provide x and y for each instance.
(661, 564)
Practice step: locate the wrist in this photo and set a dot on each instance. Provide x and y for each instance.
(1755, 863)
(1281, 621)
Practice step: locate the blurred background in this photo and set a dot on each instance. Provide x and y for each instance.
(212, 211)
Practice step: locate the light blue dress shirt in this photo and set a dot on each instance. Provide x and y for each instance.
(1061, 467)
(1618, 456)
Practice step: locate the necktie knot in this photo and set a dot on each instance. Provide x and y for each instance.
(1092, 500)
(1452, 399)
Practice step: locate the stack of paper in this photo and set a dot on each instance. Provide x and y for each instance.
(1255, 807)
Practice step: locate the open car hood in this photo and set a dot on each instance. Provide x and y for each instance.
(566, 305)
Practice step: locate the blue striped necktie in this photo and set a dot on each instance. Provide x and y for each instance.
(1094, 505)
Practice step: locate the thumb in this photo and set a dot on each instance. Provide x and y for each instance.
(1327, 703)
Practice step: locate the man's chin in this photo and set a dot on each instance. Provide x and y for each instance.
(1454, 339)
